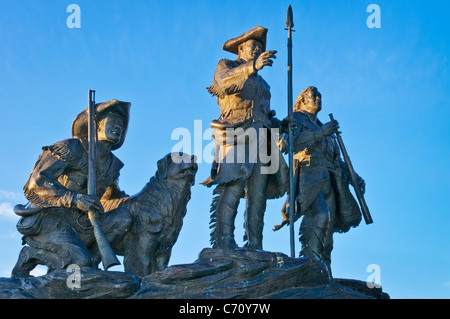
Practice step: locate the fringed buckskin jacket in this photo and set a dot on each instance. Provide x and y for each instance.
(244, 100)
(317, 160)
(61, 173)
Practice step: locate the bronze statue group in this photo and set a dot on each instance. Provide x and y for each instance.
(144, 227)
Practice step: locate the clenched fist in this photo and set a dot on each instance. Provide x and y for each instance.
(88, 203)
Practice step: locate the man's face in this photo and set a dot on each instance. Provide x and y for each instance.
(250, 50)
(110, 128)
(312, 101)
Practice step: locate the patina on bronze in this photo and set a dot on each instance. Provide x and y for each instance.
(108, 257)
(55, 223)
(354, 180)
(321, 179)
(244, 100)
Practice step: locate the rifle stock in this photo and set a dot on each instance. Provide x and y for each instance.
(354, 181)
(109, 259)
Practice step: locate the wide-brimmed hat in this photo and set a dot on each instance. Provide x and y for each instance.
(257, 33)
(122, 109)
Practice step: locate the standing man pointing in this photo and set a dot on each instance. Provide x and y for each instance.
(244, 100)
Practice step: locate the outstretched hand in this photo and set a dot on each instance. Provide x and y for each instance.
(265, 59)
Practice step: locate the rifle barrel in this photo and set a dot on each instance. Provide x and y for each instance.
(358, 192)
(92, 141)
(109, 259)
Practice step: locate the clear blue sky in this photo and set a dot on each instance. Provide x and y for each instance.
(388, 87)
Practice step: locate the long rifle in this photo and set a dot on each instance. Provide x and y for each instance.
(109, 259)
(290, 25)
(358, 192)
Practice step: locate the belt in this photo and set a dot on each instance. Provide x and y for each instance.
(317, 162)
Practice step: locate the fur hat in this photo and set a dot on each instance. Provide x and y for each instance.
(80, 124)
(257, 33)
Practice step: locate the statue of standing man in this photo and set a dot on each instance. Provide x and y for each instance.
(321, 179)
(244, 100)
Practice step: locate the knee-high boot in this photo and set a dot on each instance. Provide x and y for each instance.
(223, 214)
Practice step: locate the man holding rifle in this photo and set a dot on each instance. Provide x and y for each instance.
(321, 179)
(55, 223)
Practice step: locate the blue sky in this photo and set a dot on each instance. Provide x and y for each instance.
(388, 88)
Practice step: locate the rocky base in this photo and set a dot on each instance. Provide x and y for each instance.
(217, 274)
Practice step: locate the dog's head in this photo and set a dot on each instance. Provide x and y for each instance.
(178, 166)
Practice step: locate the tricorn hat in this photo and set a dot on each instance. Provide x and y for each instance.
(257, 33)
(122, 109)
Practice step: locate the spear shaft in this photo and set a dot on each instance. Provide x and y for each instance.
(289, 25)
